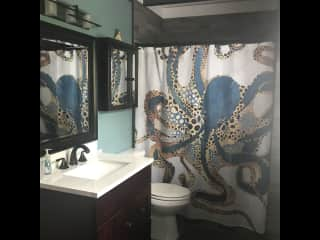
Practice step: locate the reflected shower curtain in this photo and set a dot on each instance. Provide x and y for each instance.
(204, 115)
(63, 93)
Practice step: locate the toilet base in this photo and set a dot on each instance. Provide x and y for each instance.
(164, 227)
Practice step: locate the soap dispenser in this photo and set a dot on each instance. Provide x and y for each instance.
(47, 163)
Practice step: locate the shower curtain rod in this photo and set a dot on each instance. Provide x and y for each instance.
(53, 46)
(168, 44)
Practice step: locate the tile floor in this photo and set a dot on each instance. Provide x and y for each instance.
(203, 230)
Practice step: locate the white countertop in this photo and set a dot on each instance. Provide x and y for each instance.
(58, 181)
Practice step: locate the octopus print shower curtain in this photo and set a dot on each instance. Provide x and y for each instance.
(205, 115)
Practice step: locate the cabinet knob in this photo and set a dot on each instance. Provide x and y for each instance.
(143, 210)
(129, 224)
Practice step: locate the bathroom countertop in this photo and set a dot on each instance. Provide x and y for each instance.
(134, 162)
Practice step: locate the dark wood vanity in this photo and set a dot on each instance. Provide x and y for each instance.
(121, 214)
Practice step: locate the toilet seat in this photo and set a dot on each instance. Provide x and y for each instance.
(169, 192)
(169, 204)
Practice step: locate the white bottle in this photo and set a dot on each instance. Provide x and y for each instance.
(47, 163)
(41, 167)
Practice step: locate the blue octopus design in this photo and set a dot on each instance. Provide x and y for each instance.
(210, 127)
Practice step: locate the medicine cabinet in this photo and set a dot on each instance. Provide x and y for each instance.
(116, 74)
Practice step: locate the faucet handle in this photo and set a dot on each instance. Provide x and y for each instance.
(82, 157)
(64, 164)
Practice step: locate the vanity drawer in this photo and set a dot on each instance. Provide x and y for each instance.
(134, 192)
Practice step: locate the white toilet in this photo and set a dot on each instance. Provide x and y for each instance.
(166, 201)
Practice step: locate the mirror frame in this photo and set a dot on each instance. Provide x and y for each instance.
(56, 32)
(104, 48)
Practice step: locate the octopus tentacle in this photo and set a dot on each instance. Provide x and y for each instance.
(202, 204)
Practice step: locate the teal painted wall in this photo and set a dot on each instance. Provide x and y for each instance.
(114, 128)
(115, 132)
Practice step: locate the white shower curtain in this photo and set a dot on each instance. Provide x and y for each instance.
(204, 113)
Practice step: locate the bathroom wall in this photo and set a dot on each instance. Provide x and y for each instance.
(114, 128)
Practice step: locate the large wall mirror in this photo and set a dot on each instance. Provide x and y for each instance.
(68, 114)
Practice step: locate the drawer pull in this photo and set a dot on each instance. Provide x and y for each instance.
(129, 224)
(143, 210)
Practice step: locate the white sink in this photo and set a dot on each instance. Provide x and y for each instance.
(95, 170)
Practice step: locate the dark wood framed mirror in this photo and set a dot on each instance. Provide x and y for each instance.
(68, 109)
(117, 74)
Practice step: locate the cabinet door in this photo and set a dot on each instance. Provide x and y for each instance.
(141, 224)
(119, 73)
(124, 213)
(116, 63)
(105, 232)
(118, 228)
(139, 215)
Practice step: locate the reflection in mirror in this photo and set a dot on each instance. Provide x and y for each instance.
(134, 81)
(118, 77)
(63, 89)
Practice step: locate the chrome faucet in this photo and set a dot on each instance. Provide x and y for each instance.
(73, 156)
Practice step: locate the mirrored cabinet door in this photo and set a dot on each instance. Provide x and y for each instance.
(116, 63)
(135, 78)
(119, 75)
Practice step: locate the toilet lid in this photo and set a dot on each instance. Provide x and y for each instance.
(169, 191)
